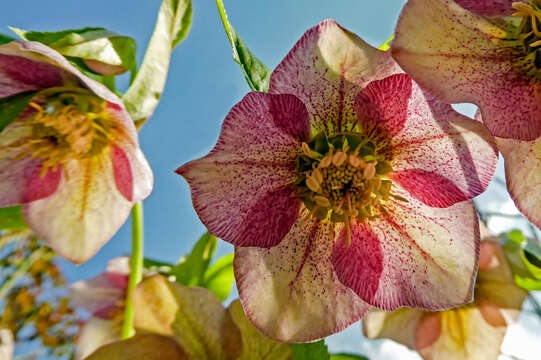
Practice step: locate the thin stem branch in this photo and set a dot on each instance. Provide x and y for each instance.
(136, 268)
(20, 272)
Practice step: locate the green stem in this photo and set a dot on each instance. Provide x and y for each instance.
(136, 268)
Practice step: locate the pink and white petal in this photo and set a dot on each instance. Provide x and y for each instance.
(459, 56)
(290, 292)
(465, 336)
(413, 127)
(133, 175)
(417, 256)
(326, 69)
(84, 212)
(523, 174)
(399, 325)
(20, 179)
(94, 334)
(100, 295)
(19, 74)
(242, 190)
(488, 7)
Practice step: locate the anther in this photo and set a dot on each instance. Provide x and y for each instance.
(339, 158)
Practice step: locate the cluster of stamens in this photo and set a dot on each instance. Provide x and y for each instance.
(343, 177)
(66, 125)
(529, 29)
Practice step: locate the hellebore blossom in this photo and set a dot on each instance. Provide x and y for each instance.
(103, 296)
(345, 187)
(177, 322)
(71, 157)
(483, 51)
(470, 332)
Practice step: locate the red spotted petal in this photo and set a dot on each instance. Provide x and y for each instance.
(290, 292)
(326, 69)
(242, 190)
(488, 7)
(415, 128)
(460, 56)
(418, 256)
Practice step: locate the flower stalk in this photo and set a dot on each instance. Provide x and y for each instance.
(136, 268)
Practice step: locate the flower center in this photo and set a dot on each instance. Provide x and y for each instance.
(529, 30)
(67, 125)
(342, 177)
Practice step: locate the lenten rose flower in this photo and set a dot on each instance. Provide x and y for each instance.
(189, 323)
(103, 297)
(71, 158)
(344, 187)
(470, 332)
(487, 52)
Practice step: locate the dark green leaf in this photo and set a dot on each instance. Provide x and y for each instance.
(219, 277)
(347, 357)
(12, 218)
(191, 268)
(256, 73)
(12, 106)
(172, 26)
(4, 39)
(310, 351)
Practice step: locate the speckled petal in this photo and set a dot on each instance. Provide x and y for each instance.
(418, 256)
(85, 211)
(488, 7)
(326, 69)
(523, 174)
(460, 56)
(242, 190)
(290, 292)
(413, 127)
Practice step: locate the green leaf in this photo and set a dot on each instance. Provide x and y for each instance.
(11, 218)
(219, 277)
(344, 356)
(191, 268)
(256, 73)
(4, 39)
(524, 255)
(387, 44)
(12, 106)
(310, 351)
(172, 26)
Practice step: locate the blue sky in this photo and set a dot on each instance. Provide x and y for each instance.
(204, 83)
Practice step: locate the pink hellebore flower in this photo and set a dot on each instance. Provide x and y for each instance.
(103, 296)
(345, 187)
(471, 332)
(483, 51)
(72, 157)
